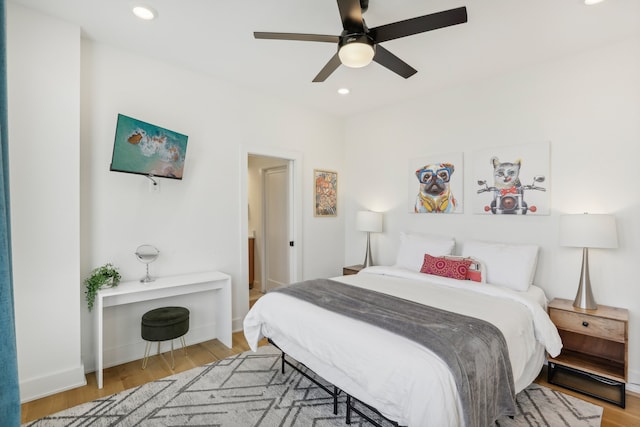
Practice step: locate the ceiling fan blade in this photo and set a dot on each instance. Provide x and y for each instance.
(331, 66)
(351, 15)
(392, 62)
(418, 25)
(296, 36)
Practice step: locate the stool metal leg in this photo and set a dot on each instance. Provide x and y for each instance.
(146, 355)
(184, 346)
(173, 362)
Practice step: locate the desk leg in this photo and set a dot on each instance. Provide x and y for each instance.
(99, 310)
(222, 307)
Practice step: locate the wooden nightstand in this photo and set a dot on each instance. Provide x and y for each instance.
(352, 269)
(595, 347)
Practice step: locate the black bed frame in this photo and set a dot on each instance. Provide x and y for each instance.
(351, 407)
(333, 393)
(351, 401)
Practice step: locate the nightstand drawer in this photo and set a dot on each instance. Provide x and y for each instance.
(589, 325)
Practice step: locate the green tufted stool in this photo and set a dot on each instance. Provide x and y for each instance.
(163, 324)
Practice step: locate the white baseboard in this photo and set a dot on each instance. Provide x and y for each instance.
(237, 325)
(633, 381)
(135, 351)
(635, 388)
(46, 385)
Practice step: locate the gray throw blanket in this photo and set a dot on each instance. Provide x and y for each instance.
(475, 350)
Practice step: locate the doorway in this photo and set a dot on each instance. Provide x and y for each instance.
(271, 194)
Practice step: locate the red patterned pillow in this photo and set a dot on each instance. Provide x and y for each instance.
(476, 270)
(441, 266)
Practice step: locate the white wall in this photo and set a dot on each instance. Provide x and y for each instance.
(44, 121)
(196, 222)
(71, 214)
(587, 106)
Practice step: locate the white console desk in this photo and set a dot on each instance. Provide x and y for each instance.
(135, 291)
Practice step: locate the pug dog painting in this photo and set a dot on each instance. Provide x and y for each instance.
(435, 195)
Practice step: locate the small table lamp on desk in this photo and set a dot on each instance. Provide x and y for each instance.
(587, 231)
(371, 222)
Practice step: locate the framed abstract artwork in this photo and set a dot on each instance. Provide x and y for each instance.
(435, 183)
(325, 193)
(512, 180)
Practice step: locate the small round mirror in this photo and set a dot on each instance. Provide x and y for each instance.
(147, 254)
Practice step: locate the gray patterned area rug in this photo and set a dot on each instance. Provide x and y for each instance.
(249, 390)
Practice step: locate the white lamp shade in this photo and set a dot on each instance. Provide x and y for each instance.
(369, 221)
(588, 231)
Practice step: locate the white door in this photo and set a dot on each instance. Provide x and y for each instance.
(276, 227)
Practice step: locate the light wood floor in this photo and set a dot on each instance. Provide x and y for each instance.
(130, 375)
(254, 295)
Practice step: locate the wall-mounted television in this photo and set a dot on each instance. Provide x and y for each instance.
(147, 149)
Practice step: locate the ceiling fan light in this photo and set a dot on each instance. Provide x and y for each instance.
(356, 54)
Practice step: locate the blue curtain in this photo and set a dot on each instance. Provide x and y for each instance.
(9, 391)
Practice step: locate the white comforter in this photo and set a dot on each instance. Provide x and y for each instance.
(403, 380)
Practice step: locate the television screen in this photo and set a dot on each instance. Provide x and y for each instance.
(147, 149)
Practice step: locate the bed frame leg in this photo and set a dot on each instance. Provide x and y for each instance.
(351, 407)
(336, 390)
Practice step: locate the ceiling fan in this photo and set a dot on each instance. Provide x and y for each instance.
(358, 45)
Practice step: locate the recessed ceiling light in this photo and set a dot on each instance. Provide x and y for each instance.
(343, 91)
(144, 12)
(590, 2)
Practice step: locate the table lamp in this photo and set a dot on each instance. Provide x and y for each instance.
(587, 231)
(371, 222)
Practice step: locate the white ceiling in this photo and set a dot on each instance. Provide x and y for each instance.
(216, 37)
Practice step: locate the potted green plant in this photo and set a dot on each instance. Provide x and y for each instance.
(104, 276)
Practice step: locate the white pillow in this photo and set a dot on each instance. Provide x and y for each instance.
(512, 266)
(413, 246)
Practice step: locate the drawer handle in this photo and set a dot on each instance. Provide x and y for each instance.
(585, 323)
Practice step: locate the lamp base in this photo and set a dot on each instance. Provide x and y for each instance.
(584, 298)
(368, 260)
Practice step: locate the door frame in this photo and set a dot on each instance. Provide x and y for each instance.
(295, 208)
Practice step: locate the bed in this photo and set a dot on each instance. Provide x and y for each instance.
(402, 379)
